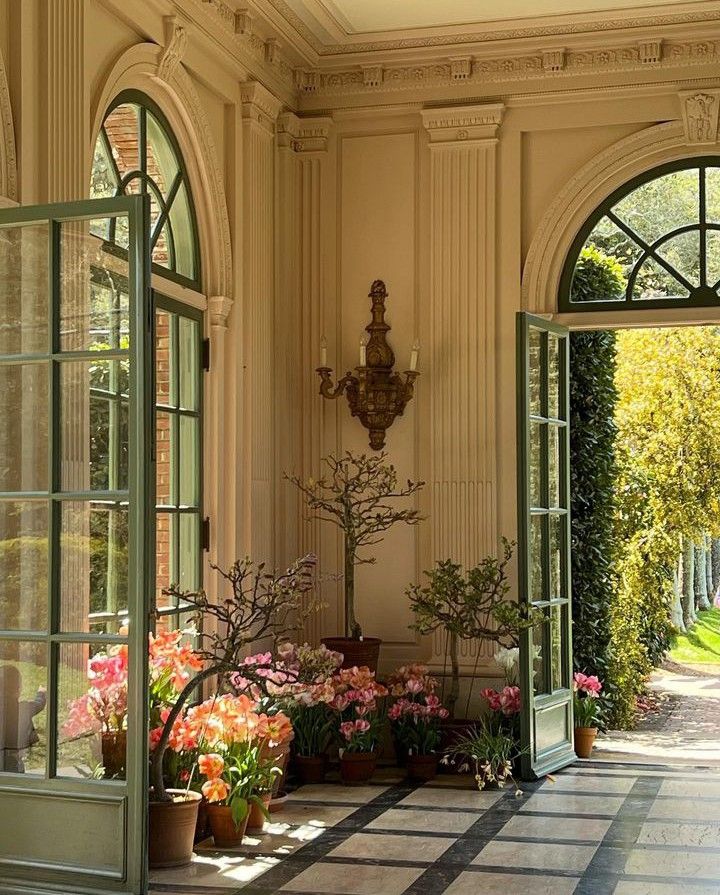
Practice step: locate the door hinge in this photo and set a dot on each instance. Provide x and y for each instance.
(206, 354)
(205, 533)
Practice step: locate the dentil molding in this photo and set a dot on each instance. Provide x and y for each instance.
(459, 124)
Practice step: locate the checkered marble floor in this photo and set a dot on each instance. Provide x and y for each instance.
(594, 829)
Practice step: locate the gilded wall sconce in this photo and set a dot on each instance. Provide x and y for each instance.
(376, 394)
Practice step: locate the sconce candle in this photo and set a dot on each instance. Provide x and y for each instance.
(323, 352)
(377, 394)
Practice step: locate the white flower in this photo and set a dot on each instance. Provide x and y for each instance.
(509, 661)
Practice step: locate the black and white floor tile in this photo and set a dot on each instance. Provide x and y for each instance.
(595, 829)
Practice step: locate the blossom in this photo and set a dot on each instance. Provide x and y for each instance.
(211, 765)
(588, 684)
(215, 790)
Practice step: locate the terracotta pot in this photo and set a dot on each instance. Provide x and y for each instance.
(114, 750)
(356, 652)
(584, 740)
(225, 833)
(256, 819)
(310, 768)
(172, 829)
(202, 827)
(357, 767)
(422, 767)
(278, 801)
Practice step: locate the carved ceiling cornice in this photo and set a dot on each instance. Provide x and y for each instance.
(279, 50)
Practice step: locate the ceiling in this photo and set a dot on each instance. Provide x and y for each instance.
(364, 16)
(332, 26)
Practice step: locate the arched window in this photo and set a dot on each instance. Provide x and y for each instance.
(136, 152)
(661, 233)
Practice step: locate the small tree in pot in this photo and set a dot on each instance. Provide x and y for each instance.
(262, 605)
(468, 605)
(359, 494)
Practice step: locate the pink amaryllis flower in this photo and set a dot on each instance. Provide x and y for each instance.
(588, 684)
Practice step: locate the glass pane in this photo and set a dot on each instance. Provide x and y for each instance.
(540, 650)
(554, 409)
(607, 238)
(712, 195)
(535, 464)
(103, 182)
(121, 127)
(189, 461)
(24, 430)
(181, 221)
(165, 458)
(713, 258)
(93, 567)
(23, 565)
(92, 711)
(94, 304)
(683, 252)
(94, 423)
(166, 388)
(23, 715)
(162, 164)
(162, 252)
(165, 575)
(556, 647)
(188, 362)
(654, 282)
(554, 468)
(536, 558)
(24, 289)
(661, 205)
(189, 550)
(535, 371)
(557, 531)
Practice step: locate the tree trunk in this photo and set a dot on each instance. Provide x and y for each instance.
(454, 693)
(352, 628)
(688, 582)
(701, 595)
(676, 611)
(708, 570)
(716, 564)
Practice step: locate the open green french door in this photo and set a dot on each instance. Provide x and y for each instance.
(544, 544)
(76, 545)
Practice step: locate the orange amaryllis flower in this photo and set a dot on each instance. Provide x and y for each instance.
(215, 790)
(211, 765)
(275, 728)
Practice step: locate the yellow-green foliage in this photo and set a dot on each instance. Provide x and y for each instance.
(668, 454)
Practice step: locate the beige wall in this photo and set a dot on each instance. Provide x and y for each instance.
(306, 196)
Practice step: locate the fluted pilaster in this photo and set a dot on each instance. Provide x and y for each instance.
(260, 109)
(461, 329)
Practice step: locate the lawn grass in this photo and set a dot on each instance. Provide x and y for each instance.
(701, 644)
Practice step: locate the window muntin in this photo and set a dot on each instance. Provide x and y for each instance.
(136, 152)
(663, 230)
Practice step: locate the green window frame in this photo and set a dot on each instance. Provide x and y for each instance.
(671, 266)
(178, 422)
(152, 164)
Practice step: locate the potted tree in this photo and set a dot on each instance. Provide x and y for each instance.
(262, 605)
(360, 494)
(468, 605)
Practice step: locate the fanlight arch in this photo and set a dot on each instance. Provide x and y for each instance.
(662, 230)
(137, 152)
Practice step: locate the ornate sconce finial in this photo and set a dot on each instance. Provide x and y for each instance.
(376, 394)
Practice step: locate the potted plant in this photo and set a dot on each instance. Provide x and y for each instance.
(360, 722)
(236, 743)
(362, 497)
(586, 689)
(415, 720)
(261, 605)
(489, 754)
(467, 605)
